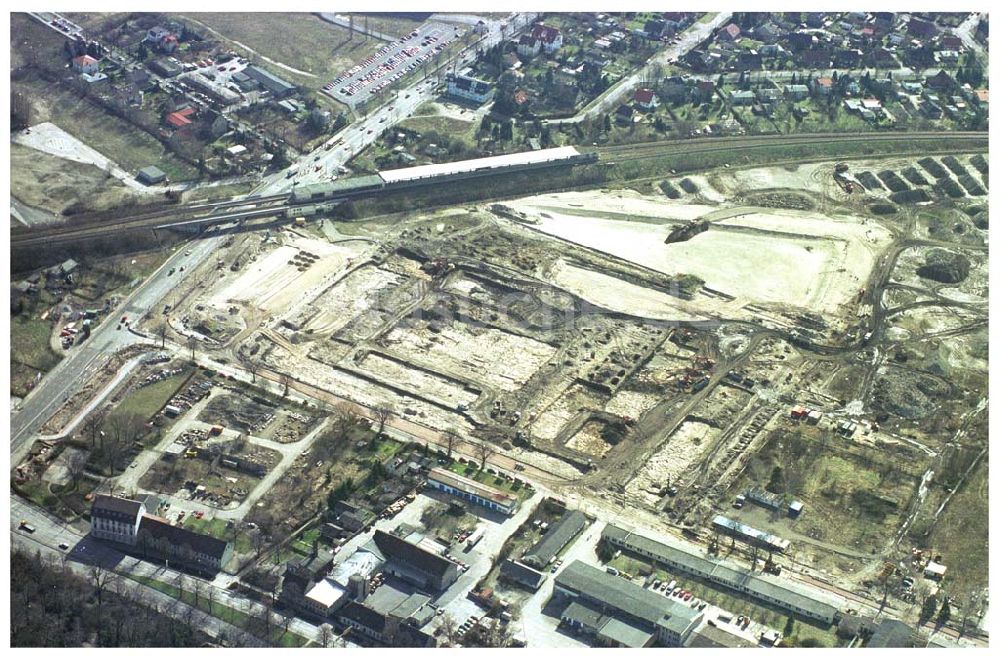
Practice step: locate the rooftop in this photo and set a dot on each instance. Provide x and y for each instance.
(492, 162)
(467, 484)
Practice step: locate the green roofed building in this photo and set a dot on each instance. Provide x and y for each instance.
(151, 175)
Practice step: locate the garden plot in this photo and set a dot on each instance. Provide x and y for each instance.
(779, 257)
(489, 356)
(682, 449)
(353, 295)
(427, 384)
(287, 274)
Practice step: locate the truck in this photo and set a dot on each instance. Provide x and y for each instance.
(292, 171)
(25, 526)
(473, 539)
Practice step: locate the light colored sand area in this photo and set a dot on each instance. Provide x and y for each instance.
(348, 298)
(681, 450)
(766, 256)
(622, 296)
(412, 379)
(588, 440)
(490, 356)
(273, 284)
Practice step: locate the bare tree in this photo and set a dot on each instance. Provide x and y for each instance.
(484, 450)
(383, 414)
(258, 540)
(286, 382)
(450, 440)
(252, 365)
(93, 425)
(325, 635)
(161, 330)
(192, 341)
(122, 430)
(100, 578)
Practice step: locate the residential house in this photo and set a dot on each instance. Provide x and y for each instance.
(822, 86)
(920, 28)
(946, 56)
(528, 46)
(470, 89)
(931, 108)
(941, 81)
(950, 42)
(750, 60)
(550, 37)
(815, 59)
(766, 32)
(85, 64)
(624, 114)
(741, 98)
(414, 564)
(771, 50)
(705, 89)
(800, 41)
(911, 87)
(116, 519)
(796, 92)
(645, 99)
(730, 33)
(981, 98)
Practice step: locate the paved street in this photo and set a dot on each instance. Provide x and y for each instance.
(610, 99)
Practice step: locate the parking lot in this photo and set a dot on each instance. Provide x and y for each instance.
(390, 63)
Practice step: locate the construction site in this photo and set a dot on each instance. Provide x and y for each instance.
(646, 348)
(781, 356)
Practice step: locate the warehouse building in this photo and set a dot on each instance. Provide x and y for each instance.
(414, 564)
(520, 574)
(557, 537)
(466, 488)
(277, 87)
(790, 595)
(619, 613)
(749, 535)
(178, 546)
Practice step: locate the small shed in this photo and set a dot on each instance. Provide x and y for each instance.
(151, 175)
(935, 570)
(795, 508)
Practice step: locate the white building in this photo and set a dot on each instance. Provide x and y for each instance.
(116, 519)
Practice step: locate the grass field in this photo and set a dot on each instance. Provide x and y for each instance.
(961, 535)
(53, 184)
(220, 611)
(126, 145)
(319, 49)
(147, 401)
(395, 25)
(29, 352)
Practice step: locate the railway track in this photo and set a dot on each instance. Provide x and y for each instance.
(649, 150)
(157, 218)
(198, 214)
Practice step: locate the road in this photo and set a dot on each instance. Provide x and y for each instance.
(966, 32)
(323, 165)
(610, 99)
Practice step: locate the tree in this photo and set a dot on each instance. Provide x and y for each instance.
(20, 111)
(325, 635)
(450, 439)
(945, 613)
(484, 450)
(192, 341)
(384, 412)
(286, 382)
(252, 366)
(93, 425)
(99, 578)
(928, 609)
